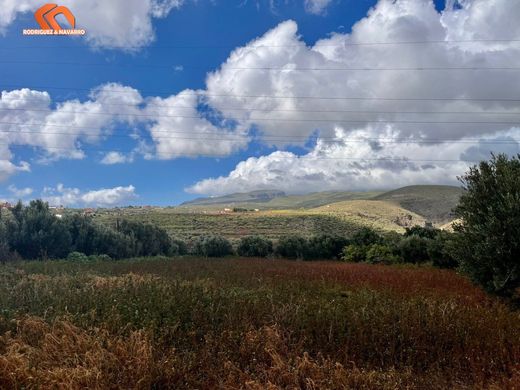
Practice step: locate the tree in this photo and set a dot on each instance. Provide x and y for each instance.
(35, 233)
(212, 246)
(292, 247)
(255, 246)
(366, 236)
(326, 246)
(414, 249)
(354, 253)
(488, 239)
(381, 254)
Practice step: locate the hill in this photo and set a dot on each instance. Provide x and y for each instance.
(433, 202)
(237, 198)
(380, 215)
(275, 200)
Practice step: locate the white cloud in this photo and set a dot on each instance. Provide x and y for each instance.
(20, 192)
(108, 24)
(112, 158)
(355, 165)
(298, 118)
(316, 7)
(179, 128)
(104, 197)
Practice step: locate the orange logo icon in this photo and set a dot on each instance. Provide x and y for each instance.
(46, 18)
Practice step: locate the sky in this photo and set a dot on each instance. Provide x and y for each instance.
(162, 101)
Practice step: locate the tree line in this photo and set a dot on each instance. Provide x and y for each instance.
(485, 244)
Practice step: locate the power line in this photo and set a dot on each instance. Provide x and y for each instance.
(281, 138)
(183, 154)
(203, 94)
(344, 44)
(282, 69)
(303, 120)
(268, 110)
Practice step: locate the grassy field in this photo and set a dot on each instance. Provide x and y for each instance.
(271, 224)
(341, 218)
(256, 324)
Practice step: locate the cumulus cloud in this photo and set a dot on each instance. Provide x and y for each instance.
(180, 128)
(125, 24)
(27, 119)
(112, 158)
(105, 197)
(163, 128)
(356, 162)
(276, 97)
(20, 192)
(316, 7)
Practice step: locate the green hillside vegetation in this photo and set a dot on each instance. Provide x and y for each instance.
(433, 202)
(379, 215)
(273, 200)
(271, 224)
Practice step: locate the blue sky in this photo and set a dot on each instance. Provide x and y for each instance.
(164, 157)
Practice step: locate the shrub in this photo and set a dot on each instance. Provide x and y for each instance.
(255, 246)
(77, 256)
(439, 250)
(354, 253)
(212, 246)
(488, 241)
(292, 247)
(423, 232)
(326, 246)
(148, 239)
(381, 254)
(414, 249)
(35, 233)
(366, 236)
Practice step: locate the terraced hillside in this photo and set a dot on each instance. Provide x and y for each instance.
(433, 202)
(377, 214)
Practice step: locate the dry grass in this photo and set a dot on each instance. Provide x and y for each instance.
(251, 324)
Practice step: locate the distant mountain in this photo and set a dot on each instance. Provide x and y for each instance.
(277, 200)
(261, 196)
(433, 202)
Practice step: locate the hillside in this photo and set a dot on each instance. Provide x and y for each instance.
(380, 215)
(275, 200)
(237, 198)
(433, 202)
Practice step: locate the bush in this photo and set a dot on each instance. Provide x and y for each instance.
(366, 236)
(255, 246)
(147, 239)
(354, 253)
(439, 251)
(423, 232)
(414, 249)
(326, 246)
(488, 241)
(77, 256)
(35, 233)
(292, 247)
(212, 246)
(381, 254)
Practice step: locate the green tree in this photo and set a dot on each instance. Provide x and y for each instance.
(354, 253)
(255, 246)
(212, 246)
(326, 246)
(292, 247)
(381, 254)
(35, 233)
(488, 241)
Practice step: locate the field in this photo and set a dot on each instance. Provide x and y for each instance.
(256, 324)
(271, 224)
(322, 212)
